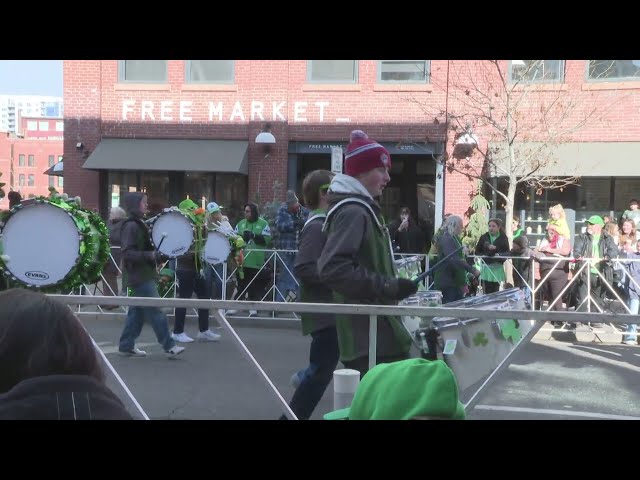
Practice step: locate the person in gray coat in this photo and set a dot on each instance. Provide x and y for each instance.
(451, 276)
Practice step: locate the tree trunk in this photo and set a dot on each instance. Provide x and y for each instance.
(508, 220)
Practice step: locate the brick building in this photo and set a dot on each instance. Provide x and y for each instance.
(25, 157)
(188, 127)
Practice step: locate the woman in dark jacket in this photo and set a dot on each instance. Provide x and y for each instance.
(50, 367)
(492, 243)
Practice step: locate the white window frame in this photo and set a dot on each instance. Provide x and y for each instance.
(122, 77)
(536, 80)
(188, 70)
(425, 80)
(354, 80)
(611, 79)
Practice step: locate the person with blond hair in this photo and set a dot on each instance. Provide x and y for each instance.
(558, 217)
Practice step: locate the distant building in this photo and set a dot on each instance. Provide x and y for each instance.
(24, 158)
(14, 106)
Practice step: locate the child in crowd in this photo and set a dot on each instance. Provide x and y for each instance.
(559, 218)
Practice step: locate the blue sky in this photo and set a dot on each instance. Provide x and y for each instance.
(31, 77)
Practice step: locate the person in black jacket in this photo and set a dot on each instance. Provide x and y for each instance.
(492, 243)
(50, 369)
(323, 354)
(111, 270)
(406, 235)
(597, 244)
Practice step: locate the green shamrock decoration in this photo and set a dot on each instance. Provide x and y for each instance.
(480, 339)
(510, 330)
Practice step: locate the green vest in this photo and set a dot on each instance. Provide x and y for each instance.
(375, 255)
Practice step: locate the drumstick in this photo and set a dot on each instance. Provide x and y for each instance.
(424, 275)
(164, 235)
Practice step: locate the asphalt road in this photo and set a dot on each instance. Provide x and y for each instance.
(548, 379)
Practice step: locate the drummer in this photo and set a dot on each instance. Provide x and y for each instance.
(216, 221)
(191, 278)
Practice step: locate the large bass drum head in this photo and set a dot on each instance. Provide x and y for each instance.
(179, 230)
(217, 248)
(43, 244)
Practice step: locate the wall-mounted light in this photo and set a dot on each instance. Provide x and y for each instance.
(265, 137)
(467, 138)
(79, 146)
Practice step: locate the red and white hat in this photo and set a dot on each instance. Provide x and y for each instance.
(364, 154)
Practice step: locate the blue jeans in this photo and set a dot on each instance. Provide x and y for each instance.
(213, 274)
(286, 281)
(137, 315)
(323, 358)
(634, 306)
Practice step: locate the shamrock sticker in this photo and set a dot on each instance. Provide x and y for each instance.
(510, 330)
(480, 339)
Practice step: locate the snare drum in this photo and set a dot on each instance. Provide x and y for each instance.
(52, 243)
(481, 345)
(217, 248)
(422, 298)
(176, 228)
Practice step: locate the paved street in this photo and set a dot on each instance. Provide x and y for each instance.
(549, 379)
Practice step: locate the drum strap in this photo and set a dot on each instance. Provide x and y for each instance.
(319, 216)
(352, 200)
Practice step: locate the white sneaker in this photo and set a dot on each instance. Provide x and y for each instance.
(630, 342)
(135, 352)
(253, 312)
(181, 337)
(174, 351)
(208, 336)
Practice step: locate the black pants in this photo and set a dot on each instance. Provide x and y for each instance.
(189, 281)
(451, 294)
(323, 358)
(362, 363)
(490, 287)
(598, 290)
(553, 286)
(257, 287)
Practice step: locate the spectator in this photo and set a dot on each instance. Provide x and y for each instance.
(522, 266)
(554, 274)
(14, 199)
(451, 277)
(256, 233)
(559, 218)
(289, 222)
(490, 244)
(50, 369)
(633, 213)
(515, 227)
(633, 292)
(629, 236)
(406, 235)
(597, 245)
(356, 261)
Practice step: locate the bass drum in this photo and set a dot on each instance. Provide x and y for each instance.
(217, 248)
(47, 244)
(177, 230)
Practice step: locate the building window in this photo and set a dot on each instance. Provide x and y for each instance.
(21, 160)
(613, 69)
(332, 71)
(32, 160)
(32, 125)
(529, 71)
(210, 71)
(59, 126)
(60, 182)
(43, 126)
(52, 181)
(403, 71)
(21, 180)
(32, 180)
(52, 160)
(142, 71)
(59, 158)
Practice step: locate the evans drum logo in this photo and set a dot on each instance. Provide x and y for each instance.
(178, 250)
(37, 275)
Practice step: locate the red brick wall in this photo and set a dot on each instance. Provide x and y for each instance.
(94, 102)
